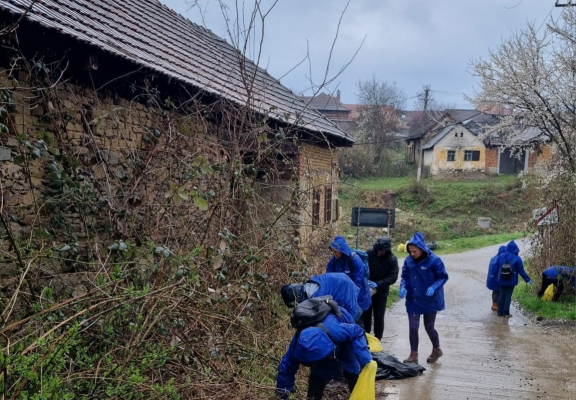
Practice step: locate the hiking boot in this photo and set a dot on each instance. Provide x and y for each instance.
(436, 354)
(413, 358)
(494, 306)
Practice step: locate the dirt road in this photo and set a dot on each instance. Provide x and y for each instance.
(485, 356)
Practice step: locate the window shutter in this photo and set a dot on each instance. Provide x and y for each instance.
(336, 210)
(327, 204)
(316, 207)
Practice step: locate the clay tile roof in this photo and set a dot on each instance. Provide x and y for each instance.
(325, 102)
(152, 35)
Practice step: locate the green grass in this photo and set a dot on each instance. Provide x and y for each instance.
(445, 211)
(399, 183)
(379, 183)
(393, 294)
(471, 243)
(525, 295)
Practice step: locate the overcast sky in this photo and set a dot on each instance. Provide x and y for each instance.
(409, 42)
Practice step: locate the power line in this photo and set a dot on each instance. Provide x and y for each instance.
(545, 18)
(569, 4)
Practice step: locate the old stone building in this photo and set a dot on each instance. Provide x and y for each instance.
(162, 130)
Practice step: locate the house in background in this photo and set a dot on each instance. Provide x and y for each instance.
(453, 148)
(331, 108)
(528, 149)
(458, 143)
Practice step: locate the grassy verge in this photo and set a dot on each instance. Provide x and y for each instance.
(446, 211)
(472, 243)
(564, 309)
(393, 295)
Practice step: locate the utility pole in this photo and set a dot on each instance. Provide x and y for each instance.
(421, 157)
(569, 4)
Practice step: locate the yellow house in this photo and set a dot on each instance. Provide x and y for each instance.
(453, 148)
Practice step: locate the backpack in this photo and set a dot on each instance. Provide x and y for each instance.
(364, 257)
(313, 311)
(506, 272)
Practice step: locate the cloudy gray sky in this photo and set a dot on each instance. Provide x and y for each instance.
(409, 42)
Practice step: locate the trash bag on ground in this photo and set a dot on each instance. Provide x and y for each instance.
(374, 344)
(549, 293)
(389, 367)
(365, 388)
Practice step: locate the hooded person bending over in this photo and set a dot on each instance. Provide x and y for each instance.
(422, 283)
(337, 285)
(338, 343)
(353, 266)
(557, 276)
(383, 272)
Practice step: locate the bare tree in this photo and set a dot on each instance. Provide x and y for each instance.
(533, 75)
(377, 119)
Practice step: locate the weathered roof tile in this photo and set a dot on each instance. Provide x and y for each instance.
(152, 35)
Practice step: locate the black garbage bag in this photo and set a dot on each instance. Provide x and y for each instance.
(389, 367)
(432, 245)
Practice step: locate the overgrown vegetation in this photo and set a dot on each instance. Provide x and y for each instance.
(157, 281)
(447, 211)
(531, 77)
(564, 309)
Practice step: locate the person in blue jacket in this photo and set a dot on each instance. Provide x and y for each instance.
(339, 343)
(337, 285)
(342, 261)
(492, 279)
(557, 275)
(509, 267)
(422, 283)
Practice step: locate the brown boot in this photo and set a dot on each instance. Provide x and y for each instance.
(413, 358)
(436, 354)
(494, 306)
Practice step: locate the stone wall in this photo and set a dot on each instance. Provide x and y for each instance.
(79, 168)
(131, 157)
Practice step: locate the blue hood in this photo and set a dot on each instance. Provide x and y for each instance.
(418, 241)
(313, 345)
(502, 250)
(512, 248)
(339, 243)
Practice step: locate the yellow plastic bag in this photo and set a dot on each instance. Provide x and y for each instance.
(365, 388)
(401, 248)
(374, 344)
(549, 293)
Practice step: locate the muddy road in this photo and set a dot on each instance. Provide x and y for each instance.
(485, 356)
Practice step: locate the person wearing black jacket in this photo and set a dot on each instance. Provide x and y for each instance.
(383, 267)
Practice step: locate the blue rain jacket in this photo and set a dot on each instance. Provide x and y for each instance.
(346, 347)
(357, 275)
(561, 273)
(341, 288)
(417, 277)
(493, 268)
(511, 257)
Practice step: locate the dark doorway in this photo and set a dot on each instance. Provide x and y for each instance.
(511, 163)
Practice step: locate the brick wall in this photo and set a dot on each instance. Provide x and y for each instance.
(492, 160)
(318, 169)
